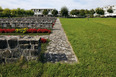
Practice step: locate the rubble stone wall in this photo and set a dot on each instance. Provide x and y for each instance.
(12, 50)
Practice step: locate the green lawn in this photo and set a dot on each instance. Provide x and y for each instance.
(94, 43)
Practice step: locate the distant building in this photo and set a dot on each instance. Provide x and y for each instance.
(59, 13)
(107, 14)
(39, 12)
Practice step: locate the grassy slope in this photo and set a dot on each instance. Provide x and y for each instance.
(93, 42)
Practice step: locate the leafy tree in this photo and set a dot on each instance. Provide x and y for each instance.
(74, 12)
(64, 11)
(110, 10)
(1, 11)
(27, 12)
(31, 13)
(54, 12)
(92, 11)
(13, 12)
(7, 12)
(45, 12)
(18, 11)
(82, 12)
(100, 11)
(22, 12)
(87, 11)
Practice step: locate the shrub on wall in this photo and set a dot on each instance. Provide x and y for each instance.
(23, 30)
(43, 40)
(32, 31)
(7, 30)
(10, 30)
(43, 31)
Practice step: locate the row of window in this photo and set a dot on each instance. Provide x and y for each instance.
(39, 10)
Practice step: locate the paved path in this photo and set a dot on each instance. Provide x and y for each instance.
(59, 49)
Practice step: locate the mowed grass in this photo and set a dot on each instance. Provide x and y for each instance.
(94, 43)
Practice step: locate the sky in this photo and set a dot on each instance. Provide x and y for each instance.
(55, 4)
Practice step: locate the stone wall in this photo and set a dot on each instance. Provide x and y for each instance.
(11, 50)
(28, 22)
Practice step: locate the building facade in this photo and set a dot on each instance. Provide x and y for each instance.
(39, 12)
(107, 14)
(113, 7)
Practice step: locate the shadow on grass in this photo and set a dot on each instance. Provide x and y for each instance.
(47, 57)
(56, 29)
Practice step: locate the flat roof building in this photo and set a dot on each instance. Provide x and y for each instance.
(107, 14)
(39, 12)
(113, 7)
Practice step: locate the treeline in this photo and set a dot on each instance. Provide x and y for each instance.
(64, 12)
(15, 12)
(84, 12)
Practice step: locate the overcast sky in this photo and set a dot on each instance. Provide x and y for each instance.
(57, 4)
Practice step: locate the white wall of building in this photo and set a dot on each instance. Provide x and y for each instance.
(105, 11)
(40, 11)
(109, 14)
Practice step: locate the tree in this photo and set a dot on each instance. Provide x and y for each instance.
(100, 11)
(7, 12)
(74, 12)
(13, 12)
(110, 10)
(87, 11)
(82, 12)
(45, 12)
(1, 12)
(1, 9)
(31, 13)
(54, 12)
(22, 12)
(19, 11)
(27, 12)
(64, 11)
(92, 11)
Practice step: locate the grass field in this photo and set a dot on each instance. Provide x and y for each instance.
(94, 43)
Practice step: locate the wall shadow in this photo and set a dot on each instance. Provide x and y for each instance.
(56, 29)
(54, 57)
